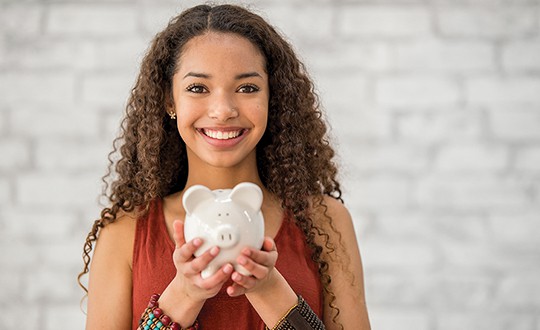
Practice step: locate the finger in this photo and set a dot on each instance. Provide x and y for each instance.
(257, 270)
(266, 258)
(200, 263)
(217, 279)
(178, 233)
(236, 290)
(269, 244)
(245, 281)
(187, 250)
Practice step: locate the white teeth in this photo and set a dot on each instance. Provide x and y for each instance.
(220, 135)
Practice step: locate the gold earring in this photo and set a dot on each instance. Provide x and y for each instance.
(172, 115)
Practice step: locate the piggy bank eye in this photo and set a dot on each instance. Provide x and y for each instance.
(227, 214)
(219, 214)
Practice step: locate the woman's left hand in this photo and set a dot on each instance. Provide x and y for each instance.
(260, 263)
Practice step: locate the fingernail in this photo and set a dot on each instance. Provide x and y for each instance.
(227, 269)
(247, 252)
(236, 277)
(214, 251)
(242, 260)
(197, 242)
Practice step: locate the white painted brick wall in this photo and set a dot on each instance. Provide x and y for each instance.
(434, 108)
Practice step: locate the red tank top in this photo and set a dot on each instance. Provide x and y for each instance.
(153, 269)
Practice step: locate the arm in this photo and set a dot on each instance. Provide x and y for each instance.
(109, 286)
(267, 290)
(346, 272)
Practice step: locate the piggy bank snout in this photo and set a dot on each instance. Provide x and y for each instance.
(226, 236)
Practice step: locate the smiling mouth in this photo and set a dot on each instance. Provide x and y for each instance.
(222, 135)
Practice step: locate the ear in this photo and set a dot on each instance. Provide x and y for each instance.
(247, 193)
(194, 195)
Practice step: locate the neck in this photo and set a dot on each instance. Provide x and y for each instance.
(222, 177)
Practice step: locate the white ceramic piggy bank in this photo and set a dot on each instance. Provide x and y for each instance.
(228, 218)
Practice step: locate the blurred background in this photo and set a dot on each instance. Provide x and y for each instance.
(434, 109)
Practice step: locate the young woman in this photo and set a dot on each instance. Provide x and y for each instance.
(221, 99)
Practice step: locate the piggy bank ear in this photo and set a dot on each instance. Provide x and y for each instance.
(248, 194)
(194, 196)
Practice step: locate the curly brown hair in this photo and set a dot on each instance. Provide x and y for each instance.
(294, 156)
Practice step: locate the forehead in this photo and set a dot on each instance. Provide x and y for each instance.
(221, 50)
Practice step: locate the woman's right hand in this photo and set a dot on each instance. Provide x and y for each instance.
(188, 267)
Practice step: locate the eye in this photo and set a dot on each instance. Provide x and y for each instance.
(196, 88)
(248, 88)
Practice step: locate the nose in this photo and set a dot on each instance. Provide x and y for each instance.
(223, 108)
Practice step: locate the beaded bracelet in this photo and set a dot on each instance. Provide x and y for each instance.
(154, 318)
(299, 317)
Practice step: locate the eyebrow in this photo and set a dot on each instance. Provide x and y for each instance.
(237, 77)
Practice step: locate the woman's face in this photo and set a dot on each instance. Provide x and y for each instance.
(221, 95)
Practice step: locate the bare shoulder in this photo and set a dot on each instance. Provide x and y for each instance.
(109, 286)
(334, 215)
(118, 236)
(345, 269)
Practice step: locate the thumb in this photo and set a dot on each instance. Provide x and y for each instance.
(178, 233)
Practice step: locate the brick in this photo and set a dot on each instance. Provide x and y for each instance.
(517, 229)
(353, 90)
(471, 158)
(67, 316)
(3, 122)
(303, 23)
(37, 225)
(107, 89)
(381, 191)
(462, 192)
(498, 91)
(445, 125)
(49, 53)
(364, 125)
(520, 125)
(423, 225)
(383, 21)
(12, 286)
(371, 56)
(71, 155)
(521, 56)
(460, 227)
(154, 17)
(470, 255)
(527, 159)
(416, 91)
(91, 19)
(485, 320)
(5, 191)
(486, 21)
(54, 121)
(16, 87)
(390, 289)
(110, 126)
(125, 54)
(459, 290)
(29, 313)
(65, 255)
(403, 254)
(388, 157)
(445, 56)
(17, 255)
(57, 190)
(21, 20)
(399, 318)
(49, 285)
(14, 154)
